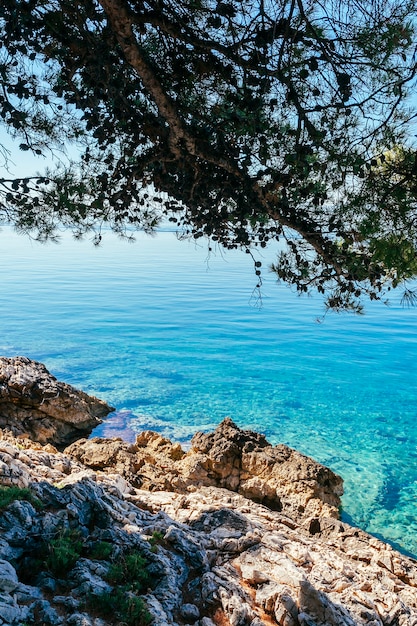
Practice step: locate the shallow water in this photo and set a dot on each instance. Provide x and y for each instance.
(174, 341)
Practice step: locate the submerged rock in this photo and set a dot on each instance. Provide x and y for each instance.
(234, 532)
(34, 403)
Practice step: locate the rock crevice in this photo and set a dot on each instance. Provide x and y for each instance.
(234, 532)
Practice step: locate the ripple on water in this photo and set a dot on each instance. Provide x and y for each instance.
(175, 345)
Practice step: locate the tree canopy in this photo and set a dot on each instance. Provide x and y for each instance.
(241, 121)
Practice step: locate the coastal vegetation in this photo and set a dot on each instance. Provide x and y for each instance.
(127, 573)
(238, 122)
(9, 494)
(129, 578)
(121, 604)
(62, 552)
(226, 553)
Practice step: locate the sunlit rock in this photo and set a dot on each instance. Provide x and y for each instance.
(35, 403)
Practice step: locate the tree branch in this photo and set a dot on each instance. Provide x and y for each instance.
(121, 22)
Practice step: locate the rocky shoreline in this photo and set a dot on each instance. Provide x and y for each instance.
(233, 532)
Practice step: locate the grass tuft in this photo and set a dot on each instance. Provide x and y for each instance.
(130, 570)
(100, 551)
(63, 552)
(121, 604)
(11, 494)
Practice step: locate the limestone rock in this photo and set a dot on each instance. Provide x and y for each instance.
(8, 576)
(214, 557)
(34, 403)
(113, 455)
(276, 476)
(285, 575)
(238, 460)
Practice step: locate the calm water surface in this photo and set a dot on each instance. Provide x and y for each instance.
(174, 341)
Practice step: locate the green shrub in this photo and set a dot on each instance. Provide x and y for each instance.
(10, 494)
(101, 604)
(129, 570)
(63, 552)
(132, 609)
(121, 604)
(157, 537)
(100, 550)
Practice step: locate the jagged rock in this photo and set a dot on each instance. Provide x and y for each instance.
(45, 614)
(8, 577)
(10, 611)
(214, 557)
(34, 403)
(26, 593)
(190, 613)
(286, 575)
(239, 460)
(277, 476)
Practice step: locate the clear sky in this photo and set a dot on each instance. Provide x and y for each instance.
(23, 163)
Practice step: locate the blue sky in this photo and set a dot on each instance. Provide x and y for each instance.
(22, 163)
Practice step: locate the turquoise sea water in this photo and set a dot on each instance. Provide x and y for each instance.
(174, 341)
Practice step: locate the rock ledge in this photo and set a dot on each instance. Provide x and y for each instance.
(34, 403)
(230, 458)
(235, 532)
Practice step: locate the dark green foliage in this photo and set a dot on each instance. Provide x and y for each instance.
(10, 494)
(129, 577)
(157, 537)
(62, 552)
(241, 122)
(131, 609)
(121, 604)
(56, 554)
(101, 550)
(129, 569)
